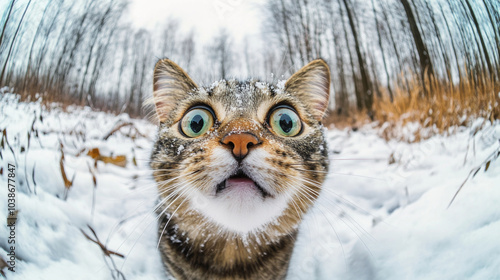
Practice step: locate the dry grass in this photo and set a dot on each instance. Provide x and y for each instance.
(437, 107)
(440, 108)
(353, 120)
(63, 100)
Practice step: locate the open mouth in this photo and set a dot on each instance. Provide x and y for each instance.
(240, 180)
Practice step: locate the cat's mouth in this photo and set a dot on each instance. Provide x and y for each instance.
(240, 180)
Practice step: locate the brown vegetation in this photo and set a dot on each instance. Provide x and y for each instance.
(447, 106)
(392, 61)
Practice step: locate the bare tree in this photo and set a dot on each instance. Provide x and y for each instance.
(366, 91)
(13, 39)
(9, 12)
(380, 44)
(423, 53)
(477, 27)
(221, 53)
(93, 43)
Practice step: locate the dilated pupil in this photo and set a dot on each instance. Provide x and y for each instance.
(286, 123)
(197, 123)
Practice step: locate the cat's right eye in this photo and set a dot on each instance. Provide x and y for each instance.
(197, 122)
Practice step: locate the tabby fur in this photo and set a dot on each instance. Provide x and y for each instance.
(209, 235)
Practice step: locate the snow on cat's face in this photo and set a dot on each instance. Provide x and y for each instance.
(241, 155)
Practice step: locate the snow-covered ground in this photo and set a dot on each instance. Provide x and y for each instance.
(383, 213)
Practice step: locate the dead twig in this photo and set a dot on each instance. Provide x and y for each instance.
(3, 264)
(107, 254)
(94, 180)
(105, 251)
(67, 183)
(4, 141)
(120, 126)
(486, 163)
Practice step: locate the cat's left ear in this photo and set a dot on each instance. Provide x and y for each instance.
(311, 84)
(170, 84)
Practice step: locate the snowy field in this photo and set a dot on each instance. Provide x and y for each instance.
(383, 212)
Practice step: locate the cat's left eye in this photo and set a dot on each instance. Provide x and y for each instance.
(196, 122)
(285, 122)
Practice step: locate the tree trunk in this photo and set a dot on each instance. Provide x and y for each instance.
(391, 96)
(13, 41)
(365, 78)
(496, 31)
(423, 53)
(284, 15)
(7, 20)
(452, 42)
(480, 35)
(357, 93)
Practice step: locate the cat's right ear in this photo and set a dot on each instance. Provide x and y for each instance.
(312, 84)
(170, 84)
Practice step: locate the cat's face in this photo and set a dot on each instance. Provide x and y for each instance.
(241, 155)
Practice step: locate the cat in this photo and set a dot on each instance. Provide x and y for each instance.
(237, 165)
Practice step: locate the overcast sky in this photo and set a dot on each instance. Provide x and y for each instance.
(239, 17)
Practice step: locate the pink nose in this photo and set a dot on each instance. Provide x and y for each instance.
(240, 143)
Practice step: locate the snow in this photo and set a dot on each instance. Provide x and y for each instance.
(383, 212)
(281, 84)
(49, 241)
(391, 221)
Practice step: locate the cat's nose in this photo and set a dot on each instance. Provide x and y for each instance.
(240, 143)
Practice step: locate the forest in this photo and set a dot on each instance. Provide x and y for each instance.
(408, 149)
(435, 62)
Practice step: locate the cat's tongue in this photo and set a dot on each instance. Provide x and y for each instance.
(241, 186)
(242, 183)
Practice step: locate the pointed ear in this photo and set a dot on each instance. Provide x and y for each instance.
(311, 84)
(170, 84)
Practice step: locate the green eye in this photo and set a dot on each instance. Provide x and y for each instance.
(196, 122)
(285, 122)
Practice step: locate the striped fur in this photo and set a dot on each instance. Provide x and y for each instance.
(209, 235)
